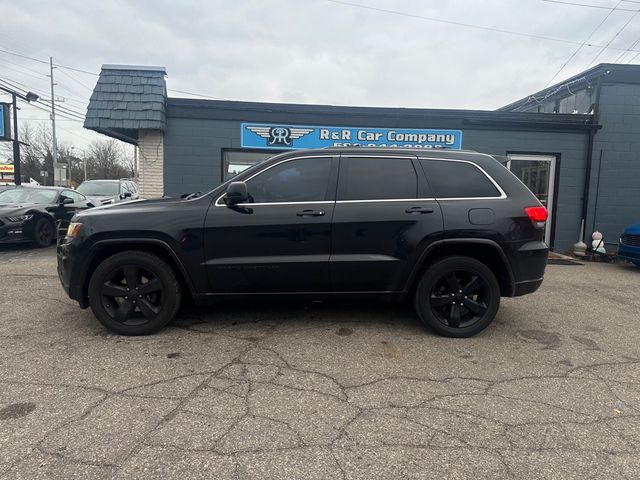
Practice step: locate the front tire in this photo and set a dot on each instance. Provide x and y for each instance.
(43, 233)
(457, 297)
(134, 293)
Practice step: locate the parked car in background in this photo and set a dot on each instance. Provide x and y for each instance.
(452, 231)
(30, 214)
(629, 244)
(110, 191)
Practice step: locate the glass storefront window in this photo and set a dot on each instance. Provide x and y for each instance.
(237, 161)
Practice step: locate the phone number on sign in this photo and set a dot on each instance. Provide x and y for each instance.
(392, 145)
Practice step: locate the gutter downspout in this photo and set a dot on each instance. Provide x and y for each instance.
(592, 133)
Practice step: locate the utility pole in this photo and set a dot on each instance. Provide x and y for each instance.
(16, 143)
(53, 125)
(29, 97)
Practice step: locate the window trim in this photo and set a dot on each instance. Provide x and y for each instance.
(502, 195)
(302, 157)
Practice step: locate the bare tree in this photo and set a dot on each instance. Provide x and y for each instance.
(105, 158)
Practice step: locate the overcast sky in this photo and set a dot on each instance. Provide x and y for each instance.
(313, 51)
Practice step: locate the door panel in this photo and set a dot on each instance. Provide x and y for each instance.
(384, 218)
(280, 240)
(268, 248)
(376, 244)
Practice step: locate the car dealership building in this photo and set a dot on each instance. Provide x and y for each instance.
(576, 144)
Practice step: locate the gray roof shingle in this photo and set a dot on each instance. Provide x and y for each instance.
(127, 99)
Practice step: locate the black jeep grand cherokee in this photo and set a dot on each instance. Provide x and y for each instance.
(451, 230)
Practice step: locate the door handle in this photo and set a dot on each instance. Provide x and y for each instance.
(419, 210)
(310, 213)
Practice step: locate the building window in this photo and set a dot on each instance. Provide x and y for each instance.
(237, 161)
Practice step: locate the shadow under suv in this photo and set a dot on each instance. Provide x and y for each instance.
(452, 231)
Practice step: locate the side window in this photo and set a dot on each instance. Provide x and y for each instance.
(377, 179)
(457, 180)
(72, 195)
(132, 188)
(304, 180)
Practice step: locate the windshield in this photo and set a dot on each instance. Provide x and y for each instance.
(28, 195)
(107, 189)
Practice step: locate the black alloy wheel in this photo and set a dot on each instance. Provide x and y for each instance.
(134, 293)
(458, 297)
(43, 233)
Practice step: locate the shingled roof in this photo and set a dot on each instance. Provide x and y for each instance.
(127, 99)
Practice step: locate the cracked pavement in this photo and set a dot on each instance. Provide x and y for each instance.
(310, 390)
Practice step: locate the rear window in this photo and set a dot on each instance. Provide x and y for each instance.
(377, 179)
(450, 179)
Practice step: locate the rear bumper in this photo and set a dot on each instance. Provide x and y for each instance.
(528, 263)
(526, 287)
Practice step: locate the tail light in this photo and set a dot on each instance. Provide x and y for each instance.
(538, 215)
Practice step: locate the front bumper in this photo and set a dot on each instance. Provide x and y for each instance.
(69, 271)
(11, 232)
(629, 253)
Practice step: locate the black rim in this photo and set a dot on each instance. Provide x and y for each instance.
(459, 299)
(44, 234)
(132, 295)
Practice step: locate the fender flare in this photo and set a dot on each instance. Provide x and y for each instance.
(424, 258)
(140, 241)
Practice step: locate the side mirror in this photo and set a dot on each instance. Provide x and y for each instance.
(236, 193)
(65, 200)
(125, 195)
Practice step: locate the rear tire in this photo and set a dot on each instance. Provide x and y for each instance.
(43, 233)
(457, 297)
(134, 293)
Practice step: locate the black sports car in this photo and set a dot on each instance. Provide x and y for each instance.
(30, 214)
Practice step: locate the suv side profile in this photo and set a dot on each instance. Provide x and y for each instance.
(452, 231)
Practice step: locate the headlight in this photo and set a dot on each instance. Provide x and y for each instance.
(74, 229)
(20, 218)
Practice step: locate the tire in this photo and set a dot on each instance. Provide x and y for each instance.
(156, 293)
(44, 233)
(457, 297)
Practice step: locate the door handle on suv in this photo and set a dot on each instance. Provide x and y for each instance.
(419, 210)
(310, 213)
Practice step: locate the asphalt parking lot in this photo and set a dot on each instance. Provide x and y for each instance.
(321, 390)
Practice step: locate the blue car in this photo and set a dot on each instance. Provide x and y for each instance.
(629, 246)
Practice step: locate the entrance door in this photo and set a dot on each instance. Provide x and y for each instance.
(537, 172)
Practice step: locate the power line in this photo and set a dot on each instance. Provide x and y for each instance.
(614, 37)
(624, 54)
(201, 94)
(591, 6)
(21, 55)
(76, 80)
(571, 57)
(64, 110)
(466, 25)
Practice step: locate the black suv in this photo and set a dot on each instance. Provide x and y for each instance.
(453, 231)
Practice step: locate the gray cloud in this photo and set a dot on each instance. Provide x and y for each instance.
(311, 51)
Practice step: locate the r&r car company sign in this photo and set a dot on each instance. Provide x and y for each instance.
(290, 137)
